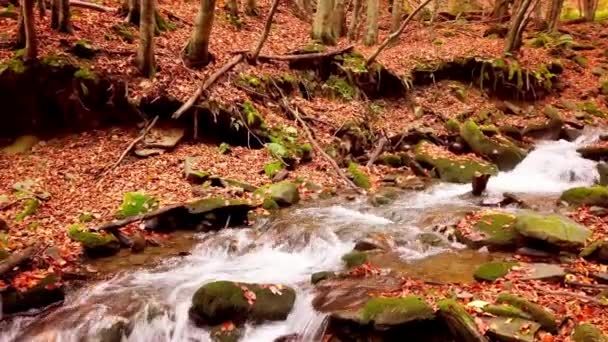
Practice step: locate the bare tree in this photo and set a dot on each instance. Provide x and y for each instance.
(339, 19)
(354, 21)
(518, 26)
(589, 8)
(322, 29)
(27, 12)
(145, 56)
(55, 14)
(65, 24)
(554, 10)
(371, 31)
(397, 12)
(197, 51)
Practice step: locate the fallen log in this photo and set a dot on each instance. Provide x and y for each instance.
(16, 259)
(90, 5)
(315, 55)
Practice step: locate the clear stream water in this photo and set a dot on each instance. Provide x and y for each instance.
(287, 250)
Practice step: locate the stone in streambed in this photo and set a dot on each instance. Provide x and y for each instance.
(539, 314)
(320, 276)
(94, 244)
(494, 229)
(545, 272)
(395, 311)
(135, 203)
(459, 321)
(491, 271)
(46, 292)
(554, 230)
(281, 194)
(512, 329)
(222, 301)
(383, 196)
(354, 259)
(505, 310)
(498, 149)
(588, 333)
(586, 195)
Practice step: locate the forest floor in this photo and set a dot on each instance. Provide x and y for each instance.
(68, 166)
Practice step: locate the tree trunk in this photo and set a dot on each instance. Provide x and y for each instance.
(20, 39)
(55, 14)
(31, 50)
(371, 32)
(589, 7)
(251, 8)
(197, 51)
(555, 8)
(133, 14)
(41, 8)
(145, 58)
(396, 14)
(501, 10)
(518, 25)
(321, 27)
(354, 21)
(65, 25)
(307, 7)
(339, 19)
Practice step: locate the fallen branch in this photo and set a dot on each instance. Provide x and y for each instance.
(90, 5)
(208, 82)
(376, 152)
(131, 145)
(285, 104)
(396, 34)
(16, 259)
(252, 58)
(315, 55)
(114, 225)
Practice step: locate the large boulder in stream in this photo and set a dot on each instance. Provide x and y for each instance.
(222, 301)
(281, 194)
(586, 195)
(387, 312)
(554, 230)
(451, 167)
(500, 150)
(495, 229)
(46, 292)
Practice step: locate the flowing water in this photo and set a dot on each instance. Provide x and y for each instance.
(286, 249)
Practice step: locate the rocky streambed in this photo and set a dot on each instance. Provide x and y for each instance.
(436, 264)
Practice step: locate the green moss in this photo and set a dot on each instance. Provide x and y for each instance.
(254, 120)
(304, 151)
(3, 253)
(270, 204)
(341, 87)
(250, 80)
(280, 152)
(30, 207)
(453, 125)
(491, 271)
(135, 203)
(123, 31)
(14, 64)
(591, 108)
(591, 195)
(546, 319)
(497, 229)
(313, 47)
(354, 259)
(86, 217)
(390, 160)
(396, 310)
(218, 302)
(271, 169)
(355, 62)
(85, 73)
(541, 39)
(54, 60)
(556, 230)
(505, 310)
(588, 333)
(359, 177)
(460, 322)
(499, 150)
(224, 148)
(581, 60)
(94, 243)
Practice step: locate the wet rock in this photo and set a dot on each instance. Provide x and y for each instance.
(596, 195)
(479, 183)
(226, 332)
(571, 134)
(594, 152)
(290, 338)
(48, 291)
(597, 250)
(386, 312)
(494, 229)
(539, 314)
(498, 149)
(138, 242)
(505, 310)
(460, 322)
(512, 329)
(602, 170)
(22, 144)
(588, 333)
(554, 230)
(383, 196)
(320, 276)
(545, 272)
(221, 301)
(164, 136)
(451, 167)
(283, 194)
(135, 203)
(431, 239)
(354, 259)
(371, 243)
(117, 329)
(94, 244)
(551, 129)
(491, 271)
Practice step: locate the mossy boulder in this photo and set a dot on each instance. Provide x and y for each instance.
(512, 329)
(46, 292)
(554, 230)
(505, 310)
(491, 271)
(272, 168)
(135, 203)
(539, 314)
(236, 207)
(602, 170)
(459, 321)
(493, 229)
(94, 244)
(358, 176)
(588, 333)
(283, 194)
(451, 167)
(222, 301)
(354, 258)
(320, 276)
(500, 150)
(587, 195)
(395, 311)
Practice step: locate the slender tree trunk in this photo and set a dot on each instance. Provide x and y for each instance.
(322, 23)
(41, 8)
(145, 58)
(251, 8)
(339, 19)
(65, 25)
(55, 8)
(501, 10)
(518, 25)
(307, 7)
(354, 21)
(396, 14)
(589, 7)
(555, 8)
(197, 51)
(371, 31)
(31, 49)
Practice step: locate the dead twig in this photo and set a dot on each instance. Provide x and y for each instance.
(585, 285)
(253, 56)
(377, 151)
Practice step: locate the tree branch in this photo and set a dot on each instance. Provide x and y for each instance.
(256, 52)
(90, 5)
